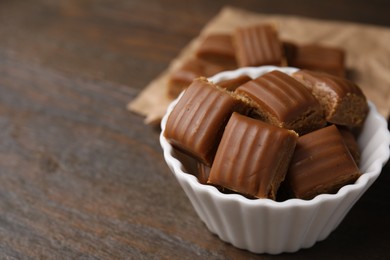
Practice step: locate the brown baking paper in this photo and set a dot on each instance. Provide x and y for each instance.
(367, 48)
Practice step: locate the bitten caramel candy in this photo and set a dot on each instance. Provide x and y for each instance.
(196, 123)
(233, 84)
(193, 68)
(257, 45)
(321, 164)
(316, 57)
(283, 101)
(253, 157)
(342, 100)
(217, 48)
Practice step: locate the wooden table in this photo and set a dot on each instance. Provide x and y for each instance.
(82, 177)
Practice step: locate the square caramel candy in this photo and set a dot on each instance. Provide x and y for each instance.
(316, 57)
(181, 78)
(321, 164)
(257, 45)
(253, 157)
(196, 123)
(341, 99)
(217, 48)
(282, 101)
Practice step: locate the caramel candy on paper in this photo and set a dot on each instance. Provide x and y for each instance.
(321, 164)
(253, 157)
(196, 123)
(257, 45)
(218, 48)
(193, 68)
(316, 57)
(213, 55)
(342, 100)
(283, 101)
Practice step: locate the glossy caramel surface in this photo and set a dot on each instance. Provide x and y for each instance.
(253, 157)
(282, 99)
(196, 123)
(257, 45)
(321, 163)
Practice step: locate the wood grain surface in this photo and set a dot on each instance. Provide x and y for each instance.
(83, 178)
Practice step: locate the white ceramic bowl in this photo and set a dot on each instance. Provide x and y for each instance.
(267, 226)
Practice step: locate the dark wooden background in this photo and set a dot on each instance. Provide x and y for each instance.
(82, 177)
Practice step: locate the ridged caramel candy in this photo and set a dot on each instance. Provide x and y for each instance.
(257, 45)
(196, 123)
(342, 100)
(321, 164)
(283, 101)
(253, 157)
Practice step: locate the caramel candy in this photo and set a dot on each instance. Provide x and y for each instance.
(193, 68)
(316, 57)
(196, 124)
(342, 100)
(253, 157)
(283, 101)
(321, 164)
(233, 84)
(218, 48)
(257, 45)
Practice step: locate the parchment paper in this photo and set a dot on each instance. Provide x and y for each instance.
(367, 55)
